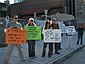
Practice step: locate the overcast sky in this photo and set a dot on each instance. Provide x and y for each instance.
(11, 1)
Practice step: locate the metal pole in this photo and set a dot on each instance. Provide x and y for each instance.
(65, 9)
(72, 6)
(75, 10)
(35, 16)
(46, 11)
(68, 6)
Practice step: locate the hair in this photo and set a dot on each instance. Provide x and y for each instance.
(54, 25)
(14, 15)
(46, 24)
(53, 19)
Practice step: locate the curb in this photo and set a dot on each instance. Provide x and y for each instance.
(65, 56)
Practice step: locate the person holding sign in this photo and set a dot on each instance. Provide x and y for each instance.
(14, 24)
(47, 26)
(80, 34)
(55, 25)
(31, 43)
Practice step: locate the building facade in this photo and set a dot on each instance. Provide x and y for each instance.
(80, 10)
(17, 1)
(7, 2)
(27, 8)
(3, 9)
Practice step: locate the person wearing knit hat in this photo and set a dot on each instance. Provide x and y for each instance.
(31, 22)
(31, 19)
(31, 43)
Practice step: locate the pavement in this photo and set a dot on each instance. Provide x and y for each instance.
(68, 46)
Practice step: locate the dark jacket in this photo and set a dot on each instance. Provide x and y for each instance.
(55, 26)
(30, 24)
(80, 31)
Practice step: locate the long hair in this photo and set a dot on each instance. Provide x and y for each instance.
(46, 24)
(14, 15)
(54, 25)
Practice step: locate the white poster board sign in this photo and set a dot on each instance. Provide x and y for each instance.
(62, 26)
(70, 30)
(63, 29)
(51, 36)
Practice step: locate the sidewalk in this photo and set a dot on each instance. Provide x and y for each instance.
(67, 50)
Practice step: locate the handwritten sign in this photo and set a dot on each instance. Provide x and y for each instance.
(63, 29)
(62, 26)
(52, 35)
(70, 30)
(33, 32)
(15, 36)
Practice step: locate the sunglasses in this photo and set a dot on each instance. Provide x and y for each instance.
(15, 18)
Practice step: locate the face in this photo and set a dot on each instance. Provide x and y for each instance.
(48, 24)
(53, 22)
(15, 18)
(80, 26)
(31, 21)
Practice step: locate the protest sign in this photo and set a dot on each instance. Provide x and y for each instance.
(70, 30)
(62, 26)
(33, 32)
(52, 35)
(15, 36)
(63, 30)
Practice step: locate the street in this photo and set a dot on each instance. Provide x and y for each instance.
(77, 58)
(68, 46)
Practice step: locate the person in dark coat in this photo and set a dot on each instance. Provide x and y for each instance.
(55, 25)
(80, 34)
(31, 43)
(47, 26)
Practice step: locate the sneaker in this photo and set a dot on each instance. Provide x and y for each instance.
(77, 43)
(81, 43)
(35, 57)
(57, 52)
(22, 61)
(49, 56)
(31, 57)
(43, 56)
(60, 48)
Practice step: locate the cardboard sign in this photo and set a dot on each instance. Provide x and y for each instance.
(53, 36)
(33, 32)
(63, 29)
(70, 30)
(62, 26)
(15, 36)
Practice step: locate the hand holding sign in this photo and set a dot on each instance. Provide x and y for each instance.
(15, 36)
(33, 32)
(52, 35)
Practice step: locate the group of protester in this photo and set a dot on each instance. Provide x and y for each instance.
(51, 25)
(31, 43)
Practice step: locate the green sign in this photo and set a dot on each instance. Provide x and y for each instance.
(33, 32)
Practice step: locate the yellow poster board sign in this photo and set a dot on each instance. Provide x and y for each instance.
(15, 36)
